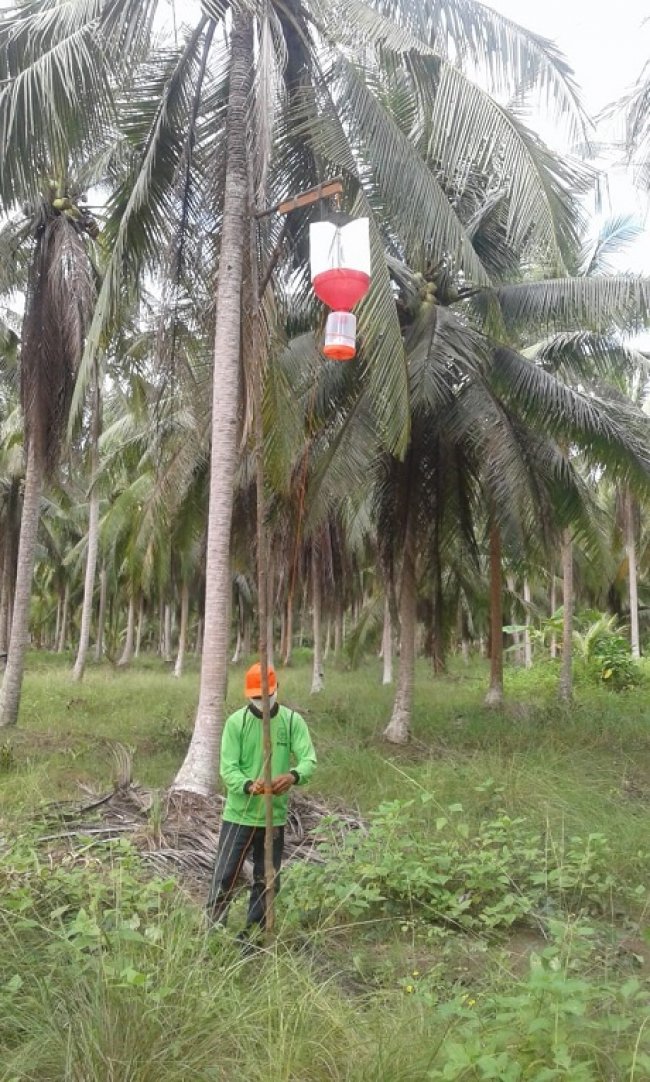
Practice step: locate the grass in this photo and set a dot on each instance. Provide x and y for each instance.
(143, 993)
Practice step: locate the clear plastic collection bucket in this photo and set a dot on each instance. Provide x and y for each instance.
(340, 336)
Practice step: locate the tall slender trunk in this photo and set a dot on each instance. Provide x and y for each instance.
(462, 632)
(565, 689)
(269, 637)
(630, 548)
(101, 616)
(63, 633)
(283, 630)
(13, 676)
(494, 696)
(182, 633)
(398, 730)
(237, 656)
(328, 638)
(199, 769)
(303, 619)
(528, 646)
(338, 628)
(199, 637)
(167, 633)
(553, 606)
(93, 533)
(317, 671)
(138, 627)
(517, 652)
(127, 652)
(288, 634)
(57, 623)
(387, 644)
(437, 635)
(7, 581)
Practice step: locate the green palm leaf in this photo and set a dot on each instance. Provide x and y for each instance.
(141, 210)
(597, 304)
(610, 433)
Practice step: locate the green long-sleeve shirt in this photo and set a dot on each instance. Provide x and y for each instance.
(242, 760)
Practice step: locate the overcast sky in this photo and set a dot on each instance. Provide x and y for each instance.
(606, 47)
(607, 51)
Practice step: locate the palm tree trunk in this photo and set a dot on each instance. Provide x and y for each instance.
(63, 633)
(5, 591)
(565, 690)
(101, 617)
(317, 672)
(269, 638)
(630, 548)
(93, 534)
(13, 677)
(528, 647)
(89, 586)
(398, 730)
(387, 644)
(494, 696)
(437, 637)
(182, 634)
(167, 634)
(328, 639)
(288, 639)
(57, 624)
(199, 770)
(338, 628)
(516, 635)
(139, 625)
(553, 605)
(199, 637)
(236, 657)
(127, 652)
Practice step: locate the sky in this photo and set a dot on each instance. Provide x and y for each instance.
(607, 52)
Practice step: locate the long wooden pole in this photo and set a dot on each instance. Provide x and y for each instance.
(314, 195)
(256, 357)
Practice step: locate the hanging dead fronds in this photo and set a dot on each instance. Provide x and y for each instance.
(179, 832)
(59, 304)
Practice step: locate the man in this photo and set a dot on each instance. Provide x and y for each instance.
(242, 767)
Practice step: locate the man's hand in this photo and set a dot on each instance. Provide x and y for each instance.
(282, 783)
(257, 788)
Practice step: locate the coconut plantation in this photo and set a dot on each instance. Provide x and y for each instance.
(324, 544)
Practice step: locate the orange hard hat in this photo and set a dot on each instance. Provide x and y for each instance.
(253, 682)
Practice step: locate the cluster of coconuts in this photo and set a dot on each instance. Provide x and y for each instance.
(61, 202)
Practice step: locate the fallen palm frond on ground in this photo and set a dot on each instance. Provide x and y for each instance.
(177, 831)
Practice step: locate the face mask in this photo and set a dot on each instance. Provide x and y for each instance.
(257, 703)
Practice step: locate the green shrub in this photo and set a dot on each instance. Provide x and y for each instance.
(455, 875)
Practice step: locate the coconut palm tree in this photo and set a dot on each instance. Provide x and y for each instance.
(60, 294)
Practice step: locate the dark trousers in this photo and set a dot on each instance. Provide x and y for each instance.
(235, 843)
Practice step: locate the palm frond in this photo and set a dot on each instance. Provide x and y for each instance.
(609, 433)
(426, 222)
(614, 236)
(514, 58)
(595, 304)
(140, 210)
(59, 66)
(472, 133)
(584, 356)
